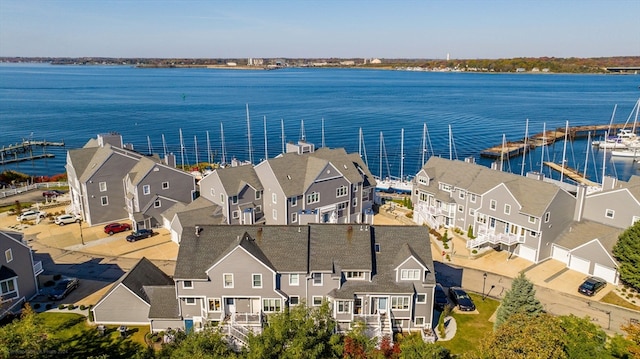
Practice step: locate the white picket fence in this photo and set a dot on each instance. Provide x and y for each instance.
(8, 192)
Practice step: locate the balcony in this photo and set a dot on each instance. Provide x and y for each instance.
(37, 268)
(485, 236)
(247, 318)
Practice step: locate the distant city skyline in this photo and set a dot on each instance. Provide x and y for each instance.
(460, 29)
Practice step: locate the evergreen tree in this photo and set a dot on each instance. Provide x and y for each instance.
(519, 299)
(627, 252)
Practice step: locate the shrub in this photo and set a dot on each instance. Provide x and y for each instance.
(71, 307)
(61, 306)
(445, 237)
(90, 318)
(83, 307)
(409, 214)
(445, 245)
(470, 232)
(475, 251)
(448, 257)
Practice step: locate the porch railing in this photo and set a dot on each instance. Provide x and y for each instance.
(484, 236)
(37, 268)
(246, 318)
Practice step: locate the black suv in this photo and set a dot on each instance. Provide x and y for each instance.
(63, 288)
(140, 234)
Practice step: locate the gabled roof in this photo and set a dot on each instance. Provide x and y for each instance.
(233, 179)
(200, 211)
(284, 246)
(533, 195)
(143, 273)
(296, 172)
(633, 185)
(579, 233)
(6, 273)
(140, 170)
(164, 302)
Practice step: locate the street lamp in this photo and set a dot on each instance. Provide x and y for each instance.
(484, 276)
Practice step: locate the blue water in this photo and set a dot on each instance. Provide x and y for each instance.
(75, 103)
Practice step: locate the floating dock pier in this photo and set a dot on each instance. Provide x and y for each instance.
(24, 151)
(571, 173)
(517, 148)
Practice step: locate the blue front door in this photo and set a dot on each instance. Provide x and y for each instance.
(188, 325)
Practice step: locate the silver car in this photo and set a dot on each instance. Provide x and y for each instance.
(31, 215)
(66, 219)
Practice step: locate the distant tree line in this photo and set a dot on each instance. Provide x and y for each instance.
(552, 64)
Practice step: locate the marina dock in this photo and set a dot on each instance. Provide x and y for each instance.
(24, 151)
(571, 173)
(517, 148)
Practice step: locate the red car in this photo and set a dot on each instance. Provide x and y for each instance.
(112, 228)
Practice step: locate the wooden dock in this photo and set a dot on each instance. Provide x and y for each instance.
(27, 145)
(517, 148)
(571, 173)
(6, 161)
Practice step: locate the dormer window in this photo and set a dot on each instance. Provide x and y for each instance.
(445, 187)
(355, 275)
(423, 180)
(410, 274)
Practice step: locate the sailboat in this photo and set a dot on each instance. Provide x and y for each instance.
(383, 184)
(402, 183)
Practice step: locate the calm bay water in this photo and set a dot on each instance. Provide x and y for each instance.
(75, 103)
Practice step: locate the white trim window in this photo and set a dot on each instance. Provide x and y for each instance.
(165, 185)
(419, 321)
(274, 198)
(104, 200)
(294, 201)
(294, 217)
(421, 298)
(190, 301)
(472, 198)
(547, 216)
(400, 303)
(341, 191)
(316, 300)
(235, 214)
(423, 180)
(258, 194)
(461, 194)
(215, 304)
(274, 213)
(271, 305)
(8, 255)
(507, 209)
(493, 204)
(227, 280)
(187, 284)
(313, 197)
(317, 279)
(146, 189)
(609, 213)
(355, 202)
(157, 204)
(532, 219)
(234, 200)
(8, 288)
(343, 306)
(256, 280)
(410, 274)
(445, 187)
(294, 279)
(294, 300)
(103, 186)
(354, 275)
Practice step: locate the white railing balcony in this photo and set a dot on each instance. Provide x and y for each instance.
(37, 268)
(484, 236)
(247, 318)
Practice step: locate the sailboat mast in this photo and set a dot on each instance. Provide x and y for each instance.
(181, 151)
(401, 154)
(450, 145)
(249, 136)
(586, 159)
(544, 145)
(504, 140)
(164, 146)
(564, 150)
(424, 142)
(224, 151)
(266, 153)
(282, 133)
(209, 159)
(360, 142)
(604, 160)
(323, 132)
(524, 150)
(195, 145)
(362, 149)
(381, 142)
(303, 137)
(149, 145)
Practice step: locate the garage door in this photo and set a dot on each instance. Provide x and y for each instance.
(579, 264)
(606, 273)
(560, 254)
(527, 253)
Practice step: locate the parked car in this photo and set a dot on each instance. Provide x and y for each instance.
(592, 285)
(140, 234)
(63, 288)
(441, 299)
(66, 219)
(52, 193)
(31, 215)
(461, 299)
(112, 228)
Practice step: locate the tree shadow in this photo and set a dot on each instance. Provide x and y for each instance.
(91, 342)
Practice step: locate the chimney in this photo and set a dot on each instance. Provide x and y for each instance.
(170, 160)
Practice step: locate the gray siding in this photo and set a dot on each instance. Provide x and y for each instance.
(121, 306)
(624, 205)
(561, 215)
(271, 187)
(21, 264)
(112, 172)
(181, 185)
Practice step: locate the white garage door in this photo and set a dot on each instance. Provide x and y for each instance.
(606, 273)
(560, 254)
(527, 253)
(579, 264)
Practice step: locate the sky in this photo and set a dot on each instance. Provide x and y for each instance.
(425, 29)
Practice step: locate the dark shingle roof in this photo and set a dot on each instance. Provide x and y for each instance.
(233, 179)
(143, 273)
(163, 300)
(6, 273)
(348, 246)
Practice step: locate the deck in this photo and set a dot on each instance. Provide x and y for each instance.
(572, 174)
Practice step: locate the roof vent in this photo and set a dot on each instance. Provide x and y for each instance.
(198, 230)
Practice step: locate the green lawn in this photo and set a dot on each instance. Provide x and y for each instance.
(81, 340)
(472, 328)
